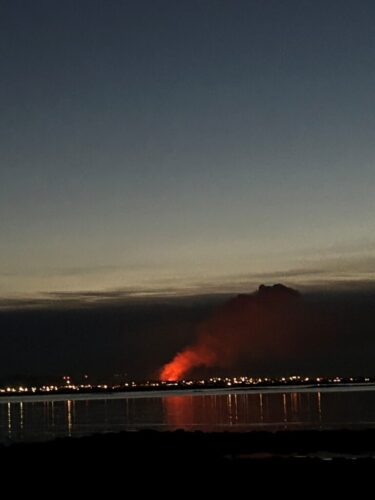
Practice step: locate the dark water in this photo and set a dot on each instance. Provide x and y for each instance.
(237, 412)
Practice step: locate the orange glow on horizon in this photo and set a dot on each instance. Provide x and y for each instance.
(265, 323)
(178, 367)
(184, 362)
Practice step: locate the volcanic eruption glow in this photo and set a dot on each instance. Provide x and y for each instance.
(185, 361)
(245, 325)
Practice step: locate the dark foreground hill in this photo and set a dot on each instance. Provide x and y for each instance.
(196, 451)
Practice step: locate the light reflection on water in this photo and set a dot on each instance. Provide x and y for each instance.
(210, 412)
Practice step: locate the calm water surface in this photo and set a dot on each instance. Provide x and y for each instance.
(209, 412)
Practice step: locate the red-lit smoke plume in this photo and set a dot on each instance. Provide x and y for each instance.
(183, 362)
(258, 323)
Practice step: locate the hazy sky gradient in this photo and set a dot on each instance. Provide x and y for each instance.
(183, 145)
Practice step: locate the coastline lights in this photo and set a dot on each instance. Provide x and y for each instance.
(68, 386)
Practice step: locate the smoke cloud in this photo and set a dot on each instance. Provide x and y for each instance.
(264, 323)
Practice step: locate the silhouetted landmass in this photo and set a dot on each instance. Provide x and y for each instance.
(322, 334)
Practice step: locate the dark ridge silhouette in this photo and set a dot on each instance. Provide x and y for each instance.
(323, 333)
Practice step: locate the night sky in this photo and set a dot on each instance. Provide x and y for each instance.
(190, 146)
(179, 152)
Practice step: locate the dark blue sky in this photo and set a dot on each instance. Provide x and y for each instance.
(185, 145)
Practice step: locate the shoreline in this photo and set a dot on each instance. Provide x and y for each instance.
(165, 451)
(145, 394)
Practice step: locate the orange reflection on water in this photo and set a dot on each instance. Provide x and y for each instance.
(205, 412)
(236, 411)
(178, 410)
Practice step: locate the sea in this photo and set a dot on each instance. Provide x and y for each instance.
(40, 418)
